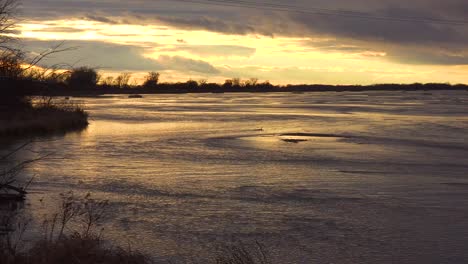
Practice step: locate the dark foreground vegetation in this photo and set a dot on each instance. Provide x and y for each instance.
(41, 116)
(74, 235)
(58, 245)
(20, 113)
(23, 115)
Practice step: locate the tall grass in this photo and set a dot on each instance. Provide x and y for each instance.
(70, 235)
(240, 253)
(74, 235)
(43, 115)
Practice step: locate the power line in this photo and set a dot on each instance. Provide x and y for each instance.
(324, 11)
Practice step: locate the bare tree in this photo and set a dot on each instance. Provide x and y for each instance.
(7, 21)
(236, 82)
(122, 80)
(9, 62)
(107, 81)
(251, 82)
(12, 58)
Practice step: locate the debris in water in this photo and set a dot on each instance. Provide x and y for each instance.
(293, 140)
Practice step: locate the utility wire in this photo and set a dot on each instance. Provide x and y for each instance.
(324, 11)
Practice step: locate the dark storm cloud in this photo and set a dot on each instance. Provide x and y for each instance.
(208, 23)
(102, 19)
(399, 39)
(332, 46)
(418, 55)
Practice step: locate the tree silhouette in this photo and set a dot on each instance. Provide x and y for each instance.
(228, 83)
(7, 10)
(10, 65)
(83, 78)
(122, 80)
(151, 80)
(191, 84)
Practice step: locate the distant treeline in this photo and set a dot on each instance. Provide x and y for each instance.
(87, 81)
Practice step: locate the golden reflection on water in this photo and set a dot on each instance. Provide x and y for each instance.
(185, 168)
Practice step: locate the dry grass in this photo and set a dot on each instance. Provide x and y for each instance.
(73, 235)
(74, 249)
(240, 253)
(43, 116)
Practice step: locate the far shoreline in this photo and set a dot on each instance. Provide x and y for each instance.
(184, 88)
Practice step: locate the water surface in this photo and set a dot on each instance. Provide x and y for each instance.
(369, 177)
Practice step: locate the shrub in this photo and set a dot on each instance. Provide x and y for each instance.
(83, 78)
(151, 80)
(10, 64)
(191, 84)
(44, 115)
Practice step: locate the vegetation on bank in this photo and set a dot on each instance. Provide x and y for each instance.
(42, 116)
(21, 115)
(74, 234)
(87, 81)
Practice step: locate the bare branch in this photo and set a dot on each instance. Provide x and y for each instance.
(22, 146)
(53, 50)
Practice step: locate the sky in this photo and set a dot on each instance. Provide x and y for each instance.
(296, 41)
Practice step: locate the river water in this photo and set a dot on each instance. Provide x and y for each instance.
(368, 177)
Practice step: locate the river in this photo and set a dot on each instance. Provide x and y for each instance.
(350, 177)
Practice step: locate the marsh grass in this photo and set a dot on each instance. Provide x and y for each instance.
(74, 235)
(44, 115)
(241, 253)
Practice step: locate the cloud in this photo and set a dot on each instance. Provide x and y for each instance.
(59, 29)
(324, 75)
(331, 45)
(414, 42)
(97, 54)
(185, 64)
(117, 57)
(383, 30)
(428, 56)
(301, 75)
(214, 50)
(208, 23)
(100, 18)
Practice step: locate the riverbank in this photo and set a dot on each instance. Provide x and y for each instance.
(42, 119)
(193, 87)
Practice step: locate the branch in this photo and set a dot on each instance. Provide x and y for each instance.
(11, 187)
(17, 168)
(16, 150)
(55, 49)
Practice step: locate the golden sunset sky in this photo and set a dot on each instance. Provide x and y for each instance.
(269, 40)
